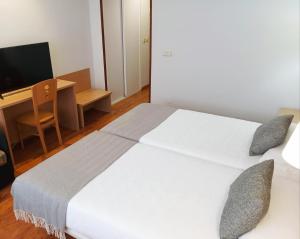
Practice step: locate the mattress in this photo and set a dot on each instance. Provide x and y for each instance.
(210, 137)
(152, 193)
(139, 121)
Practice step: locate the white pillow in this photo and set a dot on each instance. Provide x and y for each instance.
(281, 167)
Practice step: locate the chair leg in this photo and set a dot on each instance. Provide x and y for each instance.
(42, 138)
(58, 133)
(19, 130)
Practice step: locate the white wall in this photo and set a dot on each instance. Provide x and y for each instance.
(230, 57)
(64, 24)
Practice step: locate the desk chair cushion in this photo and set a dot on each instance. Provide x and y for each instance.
(6, 170)
(3, 158)
(29, 118)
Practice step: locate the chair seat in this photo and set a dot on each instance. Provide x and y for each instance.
(29, 118)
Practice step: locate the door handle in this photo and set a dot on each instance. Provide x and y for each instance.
(146, 40)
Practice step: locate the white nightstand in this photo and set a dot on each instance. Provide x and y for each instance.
(287, 111)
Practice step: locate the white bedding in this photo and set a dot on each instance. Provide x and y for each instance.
(283, 218)
(282, 168)
(220, 139)
(152, 193)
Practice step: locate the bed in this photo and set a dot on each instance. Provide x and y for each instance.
(165, 195)
(157, 178)
(160, 192)
(41, 195)
(210, 137)
(220, 139)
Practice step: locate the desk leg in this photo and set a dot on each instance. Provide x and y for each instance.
(81, 116)
(67, 109)
(103, 104)
(4, 127)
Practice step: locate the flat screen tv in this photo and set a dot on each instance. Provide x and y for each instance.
(24, 66)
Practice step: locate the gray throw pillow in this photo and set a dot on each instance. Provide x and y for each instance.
(270, 134)
(248, 201)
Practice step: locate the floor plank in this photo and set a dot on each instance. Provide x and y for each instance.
(33, 155)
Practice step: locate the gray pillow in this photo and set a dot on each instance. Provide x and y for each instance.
(248, 201)
(270, 135)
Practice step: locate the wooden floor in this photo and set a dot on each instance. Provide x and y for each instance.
(33, 154)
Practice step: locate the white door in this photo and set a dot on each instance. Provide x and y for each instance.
(131, 43)
(112, 18)
(145, 43)
(127, 45)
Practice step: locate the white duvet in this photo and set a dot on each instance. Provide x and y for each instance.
(152, 193)
(215, 138)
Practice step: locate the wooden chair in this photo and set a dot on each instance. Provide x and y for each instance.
(43, 93)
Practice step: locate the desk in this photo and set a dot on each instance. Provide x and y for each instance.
(288, 111)
(93, 98)
(15, 105)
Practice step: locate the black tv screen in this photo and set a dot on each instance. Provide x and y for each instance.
(24, 66)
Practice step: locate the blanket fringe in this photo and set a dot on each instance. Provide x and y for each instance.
(39, 222)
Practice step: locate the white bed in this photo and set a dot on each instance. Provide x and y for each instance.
(155, 193)
(215, 138)
(174, 184)
(152, 193)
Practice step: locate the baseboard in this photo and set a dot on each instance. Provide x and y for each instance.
(118, 100)
(145, 86)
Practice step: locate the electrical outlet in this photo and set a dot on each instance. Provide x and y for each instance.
(168, 53)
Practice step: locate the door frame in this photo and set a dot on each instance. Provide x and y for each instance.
(103, 44)
(104, 48)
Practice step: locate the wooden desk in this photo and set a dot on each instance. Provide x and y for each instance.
(86, 96)
(93, 98)
(288, 111)
(15, 105)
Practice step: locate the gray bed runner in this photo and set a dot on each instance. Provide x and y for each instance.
(139, 121)
(41, 195)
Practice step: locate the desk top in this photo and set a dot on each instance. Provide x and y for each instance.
(288, 111)
(26, 95)
(91, 95)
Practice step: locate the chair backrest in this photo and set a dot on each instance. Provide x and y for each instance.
(44, 92)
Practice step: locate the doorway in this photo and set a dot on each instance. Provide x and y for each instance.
(126, 31)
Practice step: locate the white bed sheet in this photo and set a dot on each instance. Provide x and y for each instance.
(283, 217)
(215, 138)
(282, 168)
(151, 193)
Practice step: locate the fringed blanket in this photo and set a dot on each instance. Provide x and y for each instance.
(41, 195)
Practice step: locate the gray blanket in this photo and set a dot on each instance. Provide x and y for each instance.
(139, 121)
(41, 195)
